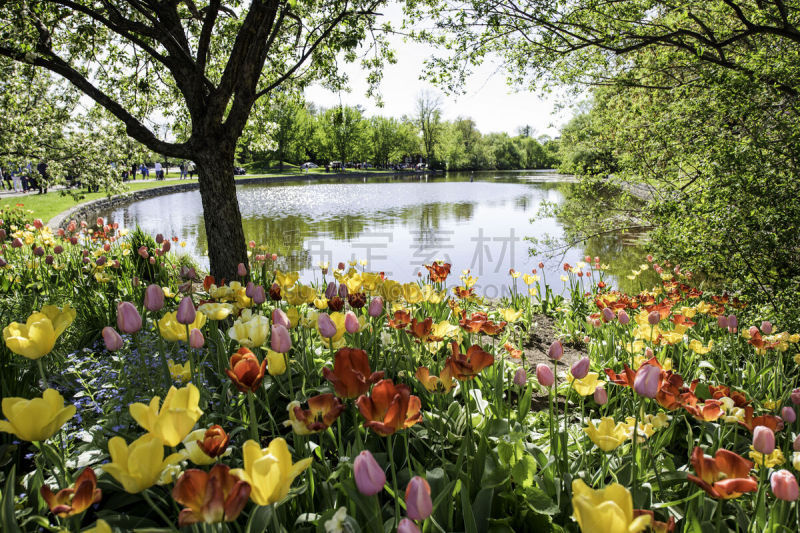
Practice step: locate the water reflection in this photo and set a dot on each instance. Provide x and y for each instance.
(476, 221)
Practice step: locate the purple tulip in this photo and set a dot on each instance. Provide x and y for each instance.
(766, 327)
(3, 234)
(49, 259)
(795, 396)
(654, 318)
(733, 323)
(647, 380)
(407, 526)
(763, 440)
(16, 243)
(249, 289)
(343, 291)
(544, 375)
(112, 339)
(600, 396)
(196, 339)
(153, 298)
(370, 477)
(796, 444)
(722, 321)
(241, 270)
(159, 238)
(520, 377)
(556, 351)
(186, 311)
(418, 499)
(330, 290)
(788, 414)
(280, 341)
(39, 251)
(623, 317)
(128, 318)
(375, 307)
(166, 246)
(279, 318)
(608, 314)
(326, 326)
(259, 296)
(351, 324)
(580, 368)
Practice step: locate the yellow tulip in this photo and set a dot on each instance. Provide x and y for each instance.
(510, 315)
(177, 416)
(391, 290)
(60, 317)
(250, 333)
(194, 453)
(320, 303)
(33, 339)
(138, 466)
(772, 460)
(606, 435)
(37, 419)
(270, 471)
(353, 283)
(216, 311)
(432, 296)
(101, 526)
(697, 347)
(299, 295)
(294, 317)
(180, 373)
(529, 279)
(276, 363)
(174, 331)
(585, 386)
(412, 293)
(607, 510)
(286, 280)
(370, 281)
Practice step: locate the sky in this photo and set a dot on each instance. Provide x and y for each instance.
(487, 98)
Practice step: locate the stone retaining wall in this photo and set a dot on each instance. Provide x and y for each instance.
(88, 210)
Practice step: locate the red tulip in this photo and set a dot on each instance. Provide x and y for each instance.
(210, 497)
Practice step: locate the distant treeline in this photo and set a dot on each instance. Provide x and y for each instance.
(297, 131)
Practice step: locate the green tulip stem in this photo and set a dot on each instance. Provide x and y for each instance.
(635, 436)
(158, 510)
(162, 352)
(192, 369)
(390, 449)
(42, 373)
(251, 404)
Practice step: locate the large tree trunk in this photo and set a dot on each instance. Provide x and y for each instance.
(223, 220)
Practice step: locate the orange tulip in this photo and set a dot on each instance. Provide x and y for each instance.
(750, 422)
(322, 411)
(724, 476)
(214, 441)
(421, 329)
(245, 372)
(389, 408)
(438, 272)
(719, 391)
(351, 376)
(433, 383)
(210, 497)
(709, 411)
(401, 320)
(467, 366)
(72, 501)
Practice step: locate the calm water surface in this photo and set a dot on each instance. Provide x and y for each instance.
(477, 221)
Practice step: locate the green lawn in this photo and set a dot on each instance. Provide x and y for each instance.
(46, 206)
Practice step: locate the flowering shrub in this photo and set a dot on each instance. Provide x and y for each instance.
(355, 402)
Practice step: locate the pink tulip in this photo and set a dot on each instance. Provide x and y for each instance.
(152, 260)
(580, 368)
(648, 352)
(647, 380)
(3, 234)
(600, 396)
(249, 289)
(16, 243)
(796, 444)
(763, 440)
(279, 318)
(407, 526)
(753, 331)
(795, 396)
(280, 341)
(351, 324)
(766, 327)
(623, 317)
(375, 307)
(153, 298)
(544, 375)
(654, 318)
(196, 339)
(788, 415)
(608, 314)
(142, 251)
(733, 323)
(241, 270)
(128, 318)
(159, 238)
(520, 377)
(3, 262)
(112, 339)
(370, 477)
(186, 311)
(556, 351)
(259, 296)
(418, 499)
(784, 485)
(722, 321)
(326, 326)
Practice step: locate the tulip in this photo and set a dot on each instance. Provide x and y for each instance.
(16, 243)
(520, 377)
(389, 408)
(259, 296)
(196, 339)
(3, 262)
(351, 324)
(153, 298)
(37, 419)
(276, 363)
(796, 444)
(722, 321)
(249, 289)
(178, 414)
(544, 375)
(647, 381)
(280, 341)
(330, 290)
(418, 499)
(753, 331)
(795, 396)
(407, 526)
(210, 497)
(763, 440)
(173, 331)
(138, 466)
(784, 485)
(186, 311)
(111, 339)
(648, 353)
(128, 318)
(609, 509)
(241, 270)
(370, 477)
(556, 351)
(466, 366)
(3, 234)
(49, 259)
(193, 452)
(375, 307)
(245, 371)
(280, 318)
(216, 311)
(34, 339)
(269, 471)
(600, 396)
(608, 314)
(322, 412)
(580, 368)
(607, 435)
(214, 441)
(58, 250)
(351, 376)
(166, 246)
(38, 251)
(326, 326)
(159, 238)
(623, 317)
(733, 323)
(343, 291)
(654, 318)
(766, 327)
(73, 501)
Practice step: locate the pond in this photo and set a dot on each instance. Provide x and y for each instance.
(478, 221)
